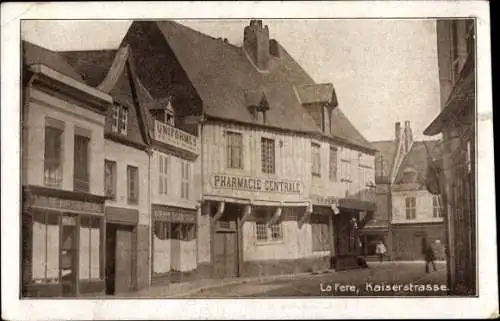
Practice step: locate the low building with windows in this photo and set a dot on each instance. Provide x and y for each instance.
(406, 212)
(126, 166)
(286, 180)
(63, 217)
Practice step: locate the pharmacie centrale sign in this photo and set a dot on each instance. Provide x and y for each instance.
(256, 184)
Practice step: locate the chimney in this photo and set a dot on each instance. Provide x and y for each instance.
(256, 43)
(397, 131)
(408, 136)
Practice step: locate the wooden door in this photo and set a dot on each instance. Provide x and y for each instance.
(123, 259)
(225, 254)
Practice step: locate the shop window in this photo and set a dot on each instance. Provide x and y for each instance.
(411, 210)
(174, 231)
(267, 155)
(132, 184)
(90, 248)
(319, 233)
(110, 179)
(265, 231)
(81, 164)
(53, 153)
(162, 230)
(45, 248)
(234, 150)
(437, 211)
(316, 160)
(164, 166)
(185, 175)
(333, 163)
(119, 122)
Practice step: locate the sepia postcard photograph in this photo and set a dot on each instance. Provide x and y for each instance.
(247, 160)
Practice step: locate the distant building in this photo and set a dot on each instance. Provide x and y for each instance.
(278, 157)
(455, 172)
(63, 219)
(406, 212)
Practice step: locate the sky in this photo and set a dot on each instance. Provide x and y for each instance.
(383, 71)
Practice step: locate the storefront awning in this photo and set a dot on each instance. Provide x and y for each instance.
(174, 214)
(375, 226)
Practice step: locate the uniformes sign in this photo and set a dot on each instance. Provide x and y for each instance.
(257, 184)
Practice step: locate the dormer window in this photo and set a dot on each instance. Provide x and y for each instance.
(119, 120)
(169, 118)
(260, 116)
(257, 104)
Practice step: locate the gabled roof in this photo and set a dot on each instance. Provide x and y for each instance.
(111, 71)
(417, 160)
(33, 54)
(93, 65)
(221, 73)
(387, 149)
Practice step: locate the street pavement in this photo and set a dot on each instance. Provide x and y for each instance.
(380, 279)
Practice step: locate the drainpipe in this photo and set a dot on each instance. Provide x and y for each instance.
(150, 209)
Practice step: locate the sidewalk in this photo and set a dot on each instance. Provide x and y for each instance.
(183, 289)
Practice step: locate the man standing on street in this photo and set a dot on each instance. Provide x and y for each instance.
(380, 250)
(429, 255)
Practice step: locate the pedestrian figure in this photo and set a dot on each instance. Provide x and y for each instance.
(380, 250)
(429, 255)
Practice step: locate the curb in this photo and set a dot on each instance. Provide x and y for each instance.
(241, 281)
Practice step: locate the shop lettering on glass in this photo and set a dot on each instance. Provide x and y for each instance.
(174, 215)
(63, 204)
(323, 200)
(254, 184)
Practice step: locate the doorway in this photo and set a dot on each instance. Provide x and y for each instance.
(119, 262)
(68, 255)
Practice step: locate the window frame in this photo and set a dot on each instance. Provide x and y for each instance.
(49, 161)
(411, 207)
(262, 219)
(333, 163)
(164, 172)
(100, 221)
(316, 159)
(83, 169)
(437, 209)
(185, 178)
(131, 169)
(233, 139)
(119, 119)
(268, 149)
(113, 179)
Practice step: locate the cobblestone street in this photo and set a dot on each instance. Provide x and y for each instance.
(404, 279)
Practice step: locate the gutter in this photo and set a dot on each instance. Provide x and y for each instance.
(59, 77)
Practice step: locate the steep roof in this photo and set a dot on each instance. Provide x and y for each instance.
(386, 148)
(417, 159)
(33, 54)
(221, 74)
(111, 71)
(93, 65)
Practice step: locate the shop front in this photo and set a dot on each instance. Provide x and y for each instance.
(63, 243)
(174, 244)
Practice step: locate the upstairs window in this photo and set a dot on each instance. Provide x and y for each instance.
(53, 154)
(436, 206)
(316, 160)
(379, 166)
(119, 122)
(110, 179)
(132, 184)
(267, 155)
(164, 165)
(169, 118)
(185, 175)
(411, 208)
(234, 150)
(333, 163)
(81, 164)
